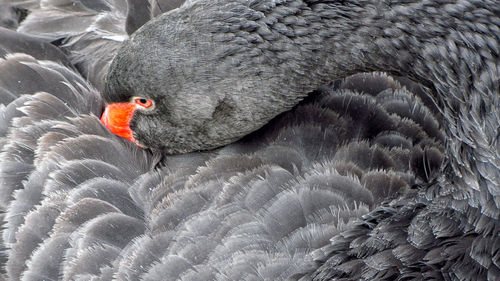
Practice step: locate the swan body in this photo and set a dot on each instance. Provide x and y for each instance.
(363, 180)
(80, 185)
(273, 53)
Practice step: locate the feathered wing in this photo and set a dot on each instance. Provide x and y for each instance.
(412, 238)
(260, 214)
(260, 208)
(255, 209)
(89, 31)
(44, 103)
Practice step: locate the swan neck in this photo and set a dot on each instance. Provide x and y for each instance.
(452, 47)
(449, 46)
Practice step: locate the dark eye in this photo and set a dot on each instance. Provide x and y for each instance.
(143, 102)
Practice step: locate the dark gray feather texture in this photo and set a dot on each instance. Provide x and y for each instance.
(89, 31)
(369, 178)
(247, 211)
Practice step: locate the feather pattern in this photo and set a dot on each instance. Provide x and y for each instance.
(351, 184)
(255, 209)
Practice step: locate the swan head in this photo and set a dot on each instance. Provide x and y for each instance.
(205, 92)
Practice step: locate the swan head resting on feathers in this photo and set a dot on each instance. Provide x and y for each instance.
(210, 72)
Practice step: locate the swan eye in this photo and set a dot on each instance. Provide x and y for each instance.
(143, 102)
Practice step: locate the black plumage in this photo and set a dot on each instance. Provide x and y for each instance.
(359, 181)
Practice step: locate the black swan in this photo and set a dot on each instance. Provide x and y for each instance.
(81, 203)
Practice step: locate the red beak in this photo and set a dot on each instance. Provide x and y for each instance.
(116, 118)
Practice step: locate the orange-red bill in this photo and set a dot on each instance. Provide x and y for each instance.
(116, 118)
